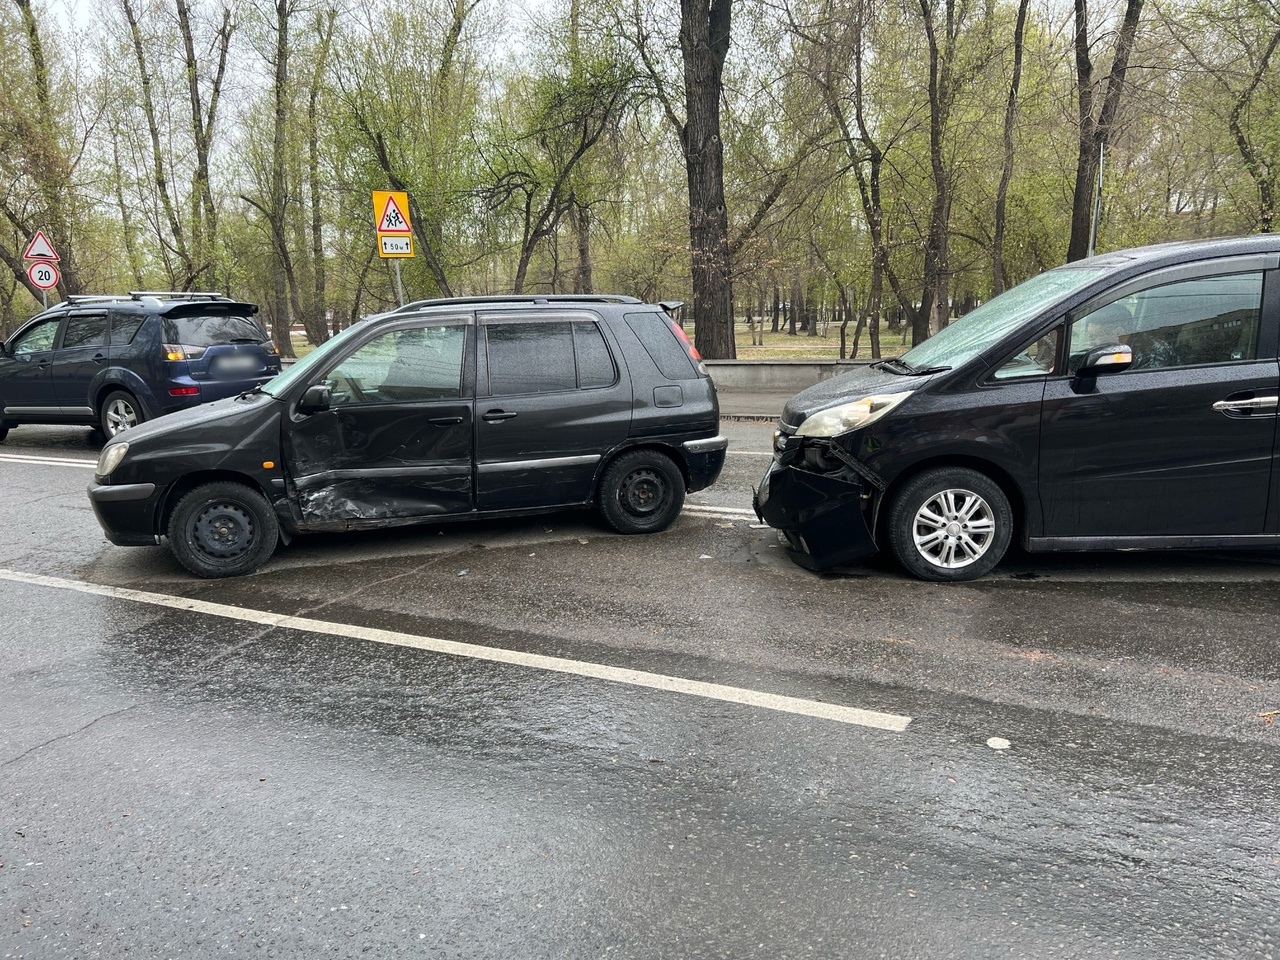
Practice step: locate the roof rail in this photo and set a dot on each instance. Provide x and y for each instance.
(94, 297)
(176, 294)
(519, 298)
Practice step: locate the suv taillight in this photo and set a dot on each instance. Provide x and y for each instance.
(270, 347)
(182, 351)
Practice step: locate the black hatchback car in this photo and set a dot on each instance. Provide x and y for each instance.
(1127, 401)
(450, 410)
(115, 361)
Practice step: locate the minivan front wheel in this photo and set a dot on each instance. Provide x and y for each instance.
(120, 411)
(950, 524)
(641, 492)
(223, 529)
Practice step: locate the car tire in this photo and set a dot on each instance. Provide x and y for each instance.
(950, 524)
(4, 430)
(223, 529)
(641, 492)
(119, 412)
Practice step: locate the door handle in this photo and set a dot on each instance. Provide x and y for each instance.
(1251, 405)
(493, 416)
(445, 421)
(99, 358)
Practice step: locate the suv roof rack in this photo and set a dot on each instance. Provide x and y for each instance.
(176, 294)
(520, 298)
(94, 297)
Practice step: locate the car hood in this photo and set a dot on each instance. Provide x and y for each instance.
(857, 383)
(193, 424)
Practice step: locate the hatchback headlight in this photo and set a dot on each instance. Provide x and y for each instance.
(850, 416)
(110, 458)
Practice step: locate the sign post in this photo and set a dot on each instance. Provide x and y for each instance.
(42, 273)
(395, 233)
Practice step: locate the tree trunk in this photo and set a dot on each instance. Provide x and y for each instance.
(704, 44)
(999, 276)
(277, 201)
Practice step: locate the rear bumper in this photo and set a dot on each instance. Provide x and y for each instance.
(823, 517)
(705, 460)
(127, 512)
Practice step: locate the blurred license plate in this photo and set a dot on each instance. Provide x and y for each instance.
(237, 364)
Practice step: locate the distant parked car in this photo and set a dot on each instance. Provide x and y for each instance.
(1127, 401)
(116, 361)
(445, 410)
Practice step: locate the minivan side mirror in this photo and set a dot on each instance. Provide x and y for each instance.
(315, 400)
(1108, 358)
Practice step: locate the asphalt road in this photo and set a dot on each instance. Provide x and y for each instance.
(539, 739)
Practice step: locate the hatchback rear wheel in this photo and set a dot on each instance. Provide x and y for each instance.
(223, 529)
(950, 524)
(641, 492)
(120, 411)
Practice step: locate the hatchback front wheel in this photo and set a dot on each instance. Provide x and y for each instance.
(223, 529)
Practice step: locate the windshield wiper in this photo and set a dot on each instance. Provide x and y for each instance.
(927, 370)
(894, 362)
(250, 392)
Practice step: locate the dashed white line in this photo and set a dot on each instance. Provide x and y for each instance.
(50, 461)
(635, 678)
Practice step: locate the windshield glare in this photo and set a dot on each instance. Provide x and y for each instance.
(277, 386)
(963, 339)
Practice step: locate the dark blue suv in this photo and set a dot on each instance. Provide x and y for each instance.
(114, 361)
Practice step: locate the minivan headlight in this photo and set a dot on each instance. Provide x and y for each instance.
(850, 416)
(110, 458)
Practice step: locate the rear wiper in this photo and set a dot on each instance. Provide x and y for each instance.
(244, 340)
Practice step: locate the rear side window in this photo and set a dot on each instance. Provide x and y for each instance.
(124, 326)
(530, 358)
(661, 343)
(211, 329)
(85, 330)
(595, 366)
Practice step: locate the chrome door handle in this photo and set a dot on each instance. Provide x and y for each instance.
(1247, 406)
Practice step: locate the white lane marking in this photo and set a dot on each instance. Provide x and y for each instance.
(50, 461)
(636, 678)
(706, 510)
(750, 453)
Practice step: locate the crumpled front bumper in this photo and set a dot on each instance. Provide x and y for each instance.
(823, 516)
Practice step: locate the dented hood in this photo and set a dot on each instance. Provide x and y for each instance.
(847, 387)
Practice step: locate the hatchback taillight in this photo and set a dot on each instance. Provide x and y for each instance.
(694, 355)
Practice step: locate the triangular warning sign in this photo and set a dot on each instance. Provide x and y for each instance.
(40, 248)
(393, 219)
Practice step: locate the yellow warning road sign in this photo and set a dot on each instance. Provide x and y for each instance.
(391, 222)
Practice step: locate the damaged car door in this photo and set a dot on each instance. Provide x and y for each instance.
(390, 438)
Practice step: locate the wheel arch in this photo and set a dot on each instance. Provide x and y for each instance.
(185, 484)
(669, 450)
(1013, 493)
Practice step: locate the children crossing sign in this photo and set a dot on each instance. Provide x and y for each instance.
(391, 217)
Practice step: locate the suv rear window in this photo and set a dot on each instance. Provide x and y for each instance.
(662, 344)
(205, 331)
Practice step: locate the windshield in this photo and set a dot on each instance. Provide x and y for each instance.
(965, 338)
(315, 358)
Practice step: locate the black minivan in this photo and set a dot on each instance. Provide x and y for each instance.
(450, 410)
(1126, 401)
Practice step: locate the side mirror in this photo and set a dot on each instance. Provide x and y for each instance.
(1108, 358)
(315, 400)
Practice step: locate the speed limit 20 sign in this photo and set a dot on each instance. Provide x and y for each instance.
(43, 274)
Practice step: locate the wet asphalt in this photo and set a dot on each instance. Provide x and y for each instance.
(1088, 771)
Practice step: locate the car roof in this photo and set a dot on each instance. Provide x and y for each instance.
(168, 302)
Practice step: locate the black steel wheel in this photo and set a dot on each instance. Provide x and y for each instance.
(950, 524)
(120, 411)
(223, 529)
(641, 492)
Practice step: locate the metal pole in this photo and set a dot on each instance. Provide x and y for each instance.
(1097, 200)
(399, 283)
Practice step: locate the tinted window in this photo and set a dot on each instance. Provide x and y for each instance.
(85, 329)
(530, 358)
(1207, 320)
(208, 330)
(124, 326)
(424, 363)
(660, 341)
(595, 366)
(37, 338)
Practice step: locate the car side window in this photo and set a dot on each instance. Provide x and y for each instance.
(595, 365)
(402, 366)
(530, 358)
(1186, 323)
(85, 330)
(1039, 358)
(124, 326)
(37, 338)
